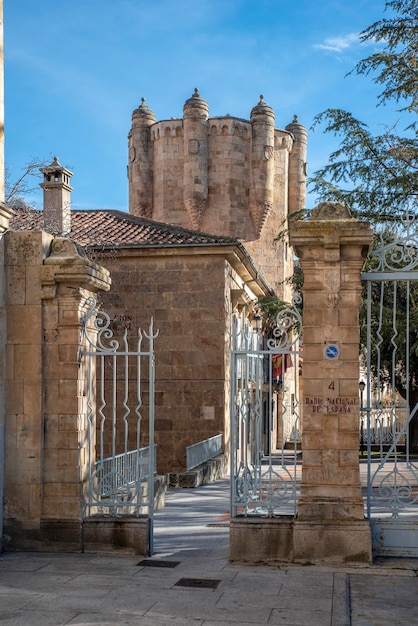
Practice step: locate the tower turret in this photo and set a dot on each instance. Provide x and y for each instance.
(57, 198)
(195, 128)
(297, 166)
(140, 165)
(262, 164)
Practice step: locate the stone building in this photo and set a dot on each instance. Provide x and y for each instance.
(190, 283)
(212, 250)
(208, 197)
(222, 175)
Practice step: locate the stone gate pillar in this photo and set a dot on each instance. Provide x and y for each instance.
(330, 524)
(68, 281)
(5, 216)
(47, 283)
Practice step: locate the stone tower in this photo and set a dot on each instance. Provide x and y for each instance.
(221, 175)
(57, 198)
(196, 152)
(140, 161)
(298, 168)
(262, 165)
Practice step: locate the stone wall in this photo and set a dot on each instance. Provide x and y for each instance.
(24, 432)
(5, 215)
(188, 294)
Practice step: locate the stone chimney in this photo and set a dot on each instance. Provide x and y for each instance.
(57, 201)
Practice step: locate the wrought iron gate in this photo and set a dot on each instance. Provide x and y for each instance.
(265, 421)
(120, 418)
(389, 411)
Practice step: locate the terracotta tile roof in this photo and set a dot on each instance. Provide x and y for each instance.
(108, 228)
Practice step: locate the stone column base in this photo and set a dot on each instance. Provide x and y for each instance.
(45, 535)
(260, 539)
(129, 535)
(285, 539)
(332, 541)
(126, 535)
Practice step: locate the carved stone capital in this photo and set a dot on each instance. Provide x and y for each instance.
(67, 263)
(331, 211)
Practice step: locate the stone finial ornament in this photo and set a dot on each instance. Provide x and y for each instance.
(144, 112)
(262, 108)
(196, 105)
(64, 248)
(331, 211)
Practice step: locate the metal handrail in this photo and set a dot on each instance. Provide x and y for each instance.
(202, 451)
(132, 466)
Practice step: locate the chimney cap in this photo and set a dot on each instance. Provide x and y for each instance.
(55, 166)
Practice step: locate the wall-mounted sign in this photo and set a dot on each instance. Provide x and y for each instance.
(326, 405)
(332, 351)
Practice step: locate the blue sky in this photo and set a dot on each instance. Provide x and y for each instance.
(74, 72)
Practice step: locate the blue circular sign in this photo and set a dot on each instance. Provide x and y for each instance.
(332, 351)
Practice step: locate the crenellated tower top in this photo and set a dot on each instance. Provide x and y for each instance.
(223, 175)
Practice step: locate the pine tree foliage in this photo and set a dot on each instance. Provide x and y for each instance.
(377, 175)
(397, 64)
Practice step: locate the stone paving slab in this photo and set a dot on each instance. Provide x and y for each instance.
(40, 589)
(36, 618)
(384, 601)
(246, 595)
(91, 619)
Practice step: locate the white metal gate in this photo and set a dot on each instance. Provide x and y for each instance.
(120, 418)
(265, 419)
(389, 398)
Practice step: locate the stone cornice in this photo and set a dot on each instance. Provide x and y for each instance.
(6, 213)
(65, 264)
(331, 226)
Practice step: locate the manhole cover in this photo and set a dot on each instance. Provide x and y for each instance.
(158, 563)
(207, 583)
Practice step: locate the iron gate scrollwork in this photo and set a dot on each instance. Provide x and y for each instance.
(119, 412)
(390, 411)
(265, 413)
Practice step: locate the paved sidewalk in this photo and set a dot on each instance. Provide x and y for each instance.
(202, 589)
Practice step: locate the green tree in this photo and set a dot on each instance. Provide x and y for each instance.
(376, 175)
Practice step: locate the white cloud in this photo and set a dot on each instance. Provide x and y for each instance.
(338, 44)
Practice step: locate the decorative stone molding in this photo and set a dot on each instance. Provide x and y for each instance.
(196, 206)
(64, 248)
(6, 214)
(331, 211)
(67, 263)
(259, 212)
